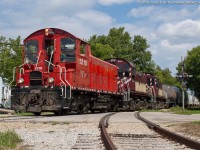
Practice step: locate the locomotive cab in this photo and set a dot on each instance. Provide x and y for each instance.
(126, 69)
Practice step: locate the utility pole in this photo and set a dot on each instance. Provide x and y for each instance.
(183, 76)
(182, 83)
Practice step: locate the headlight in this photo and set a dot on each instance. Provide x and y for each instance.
(21, 80)
(50, 80)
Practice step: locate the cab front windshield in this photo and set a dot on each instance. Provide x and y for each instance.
(31, 50)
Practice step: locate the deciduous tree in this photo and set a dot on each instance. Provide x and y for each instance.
(10, 57)
(192, 67)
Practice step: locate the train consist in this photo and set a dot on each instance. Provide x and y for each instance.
(59, 74)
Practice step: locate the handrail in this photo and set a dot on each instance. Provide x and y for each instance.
(50, 59)
(49, 62)
(67, 81)
(62, 81)
(38, 60)
(13, 76)
(60, 76)
(14, 72)
(22, 65)
(20, 71)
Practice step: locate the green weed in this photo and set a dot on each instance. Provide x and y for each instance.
(9, 140)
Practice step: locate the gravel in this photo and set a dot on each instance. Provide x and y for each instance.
(52, 135)
(126, 123)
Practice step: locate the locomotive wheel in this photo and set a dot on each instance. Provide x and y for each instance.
(37, 113)
(57, 113)
(113, 108)
(103, 110)
(116, 108)
(64, 111)
(80, 109)
(92, 111)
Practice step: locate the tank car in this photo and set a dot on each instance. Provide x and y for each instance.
(59, 74)
(192, 101)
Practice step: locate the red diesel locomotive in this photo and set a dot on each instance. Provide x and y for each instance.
(59, 74)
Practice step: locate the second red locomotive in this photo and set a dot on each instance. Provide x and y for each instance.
(59, 74)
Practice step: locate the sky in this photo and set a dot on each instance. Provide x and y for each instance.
(170, 27)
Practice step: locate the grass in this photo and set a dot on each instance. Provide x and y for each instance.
(9, 140)
(24, 114)
(31, 114)
(176, 110)
(56, 123)
(150, 110)
(179, 110)
(196, 122)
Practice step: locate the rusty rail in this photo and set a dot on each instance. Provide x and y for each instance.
(171, 135)
(103, 124)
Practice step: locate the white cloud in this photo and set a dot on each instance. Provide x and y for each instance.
(111, 2)
(170, 31)
(162, 14)
(141, 11)
(77, 17)
(185, 29)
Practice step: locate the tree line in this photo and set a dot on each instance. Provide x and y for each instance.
(118, 43)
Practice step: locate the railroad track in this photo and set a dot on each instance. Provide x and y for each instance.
(92, 140)
(88, 141)
(145, 141)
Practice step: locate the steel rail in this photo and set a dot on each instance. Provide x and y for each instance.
(171, 135)
(103, 124)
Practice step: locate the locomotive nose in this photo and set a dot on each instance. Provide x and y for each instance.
(35, 78)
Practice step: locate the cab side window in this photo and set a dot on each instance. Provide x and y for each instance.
(67, 47)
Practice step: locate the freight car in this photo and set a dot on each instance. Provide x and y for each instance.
(59, 74)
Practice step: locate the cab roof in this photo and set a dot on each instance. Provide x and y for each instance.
(56, 31)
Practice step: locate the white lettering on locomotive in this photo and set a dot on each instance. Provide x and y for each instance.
(83, 62)
(39, 68)
(83, 74)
